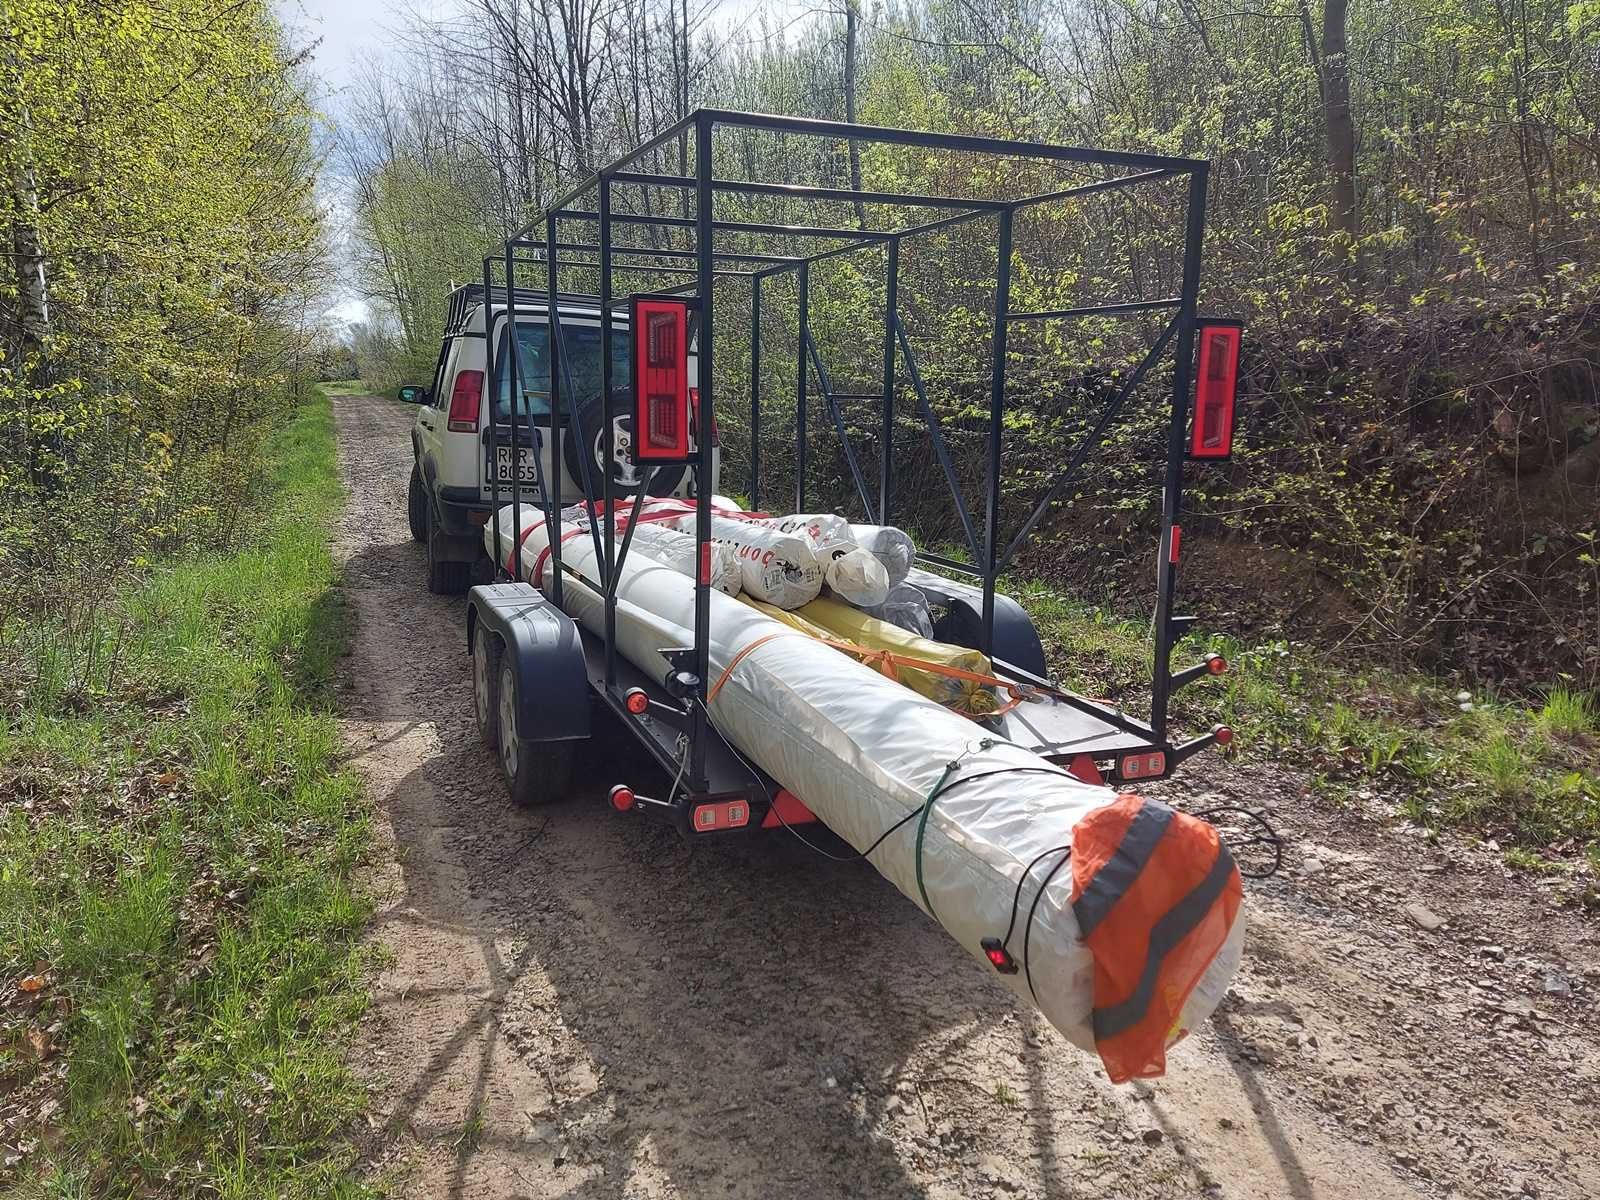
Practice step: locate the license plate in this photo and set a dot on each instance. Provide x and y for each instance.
(526, 465)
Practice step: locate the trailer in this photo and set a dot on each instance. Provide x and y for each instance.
(536, 675)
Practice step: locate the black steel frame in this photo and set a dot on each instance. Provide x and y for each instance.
(538, 244)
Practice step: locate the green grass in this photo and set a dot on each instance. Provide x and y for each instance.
(1524, 776)
(1568, 714)
(177, 874)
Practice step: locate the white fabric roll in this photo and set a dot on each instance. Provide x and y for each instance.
(863, 752)
(892, 547)
(780, 568)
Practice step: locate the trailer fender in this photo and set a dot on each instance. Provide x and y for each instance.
(553, 684)
(1015, 639)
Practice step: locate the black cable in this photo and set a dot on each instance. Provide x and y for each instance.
(1272, 838)
(1016, 897)
(1027, 930)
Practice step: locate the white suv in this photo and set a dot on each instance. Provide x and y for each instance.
(451, 495)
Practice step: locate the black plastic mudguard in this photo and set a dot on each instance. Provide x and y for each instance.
(554, 686)
(1015, 639)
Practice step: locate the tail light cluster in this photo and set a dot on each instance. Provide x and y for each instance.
(1217, 379)
(465, 397)
(660, 380)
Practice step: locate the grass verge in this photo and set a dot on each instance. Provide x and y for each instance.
(1443, 757)
(178, 921)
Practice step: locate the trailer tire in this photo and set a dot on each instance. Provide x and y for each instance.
(536, 773)
(445, 577)
(417, 507)
(486, 655)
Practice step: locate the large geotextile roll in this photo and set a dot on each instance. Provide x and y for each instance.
(1125, 943)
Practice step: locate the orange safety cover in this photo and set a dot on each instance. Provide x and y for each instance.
(1155, 893)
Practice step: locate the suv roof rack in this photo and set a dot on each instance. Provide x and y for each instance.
(467, 296)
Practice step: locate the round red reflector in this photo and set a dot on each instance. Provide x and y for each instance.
(637, 701)
(622, 797)
(1223, 734)
(1216, 664)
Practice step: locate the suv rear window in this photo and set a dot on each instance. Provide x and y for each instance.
(580, 345)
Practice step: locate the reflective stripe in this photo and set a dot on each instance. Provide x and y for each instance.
(1165, 935)
(1118, 873)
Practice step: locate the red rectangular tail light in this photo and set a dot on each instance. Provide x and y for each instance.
(1216, 381)
(464, 397)
(660, 380)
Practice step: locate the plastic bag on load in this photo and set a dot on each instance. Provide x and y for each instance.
(855, 575)
(906, 607)
(857, 578)
(780, 568)
(890, 546)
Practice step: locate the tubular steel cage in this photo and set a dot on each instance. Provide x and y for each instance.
(539, 244)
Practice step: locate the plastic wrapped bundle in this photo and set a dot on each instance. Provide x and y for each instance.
(780, 568)
(853, 574)
(1118, 917)
(906, 607)
(677, 550)
(666, 546)
(890, 546)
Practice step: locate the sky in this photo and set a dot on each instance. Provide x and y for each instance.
(350, 33)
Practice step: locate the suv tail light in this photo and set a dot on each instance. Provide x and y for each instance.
(464, 398)
(1217, 378)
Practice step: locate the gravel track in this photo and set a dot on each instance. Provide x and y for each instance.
(575, 1004)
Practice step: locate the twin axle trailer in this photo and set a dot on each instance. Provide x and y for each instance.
(534, 679)
(1119, 917)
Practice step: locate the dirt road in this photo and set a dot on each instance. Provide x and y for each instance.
(574, 1004)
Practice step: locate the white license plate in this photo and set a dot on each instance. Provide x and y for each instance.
(526, 464)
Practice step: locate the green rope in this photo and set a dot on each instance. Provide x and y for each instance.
(927, 810)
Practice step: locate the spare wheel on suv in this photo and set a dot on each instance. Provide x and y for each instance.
(626, 475)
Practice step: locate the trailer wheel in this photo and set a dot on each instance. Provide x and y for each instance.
(537, 773)
(486, 652)
(417, 507)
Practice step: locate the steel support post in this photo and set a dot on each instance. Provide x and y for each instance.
(755, 393)
(804, 275)
(704, 235)
(1172, 493)
(491, 361)
(997, 406)
(514, 377)
(553, 328)
(891, 304)
(608, 447)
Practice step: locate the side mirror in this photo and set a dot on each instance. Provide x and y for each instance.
(413, 394)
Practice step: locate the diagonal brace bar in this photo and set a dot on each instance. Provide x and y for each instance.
(838, 424)
(1091, 440)
(940, 450)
